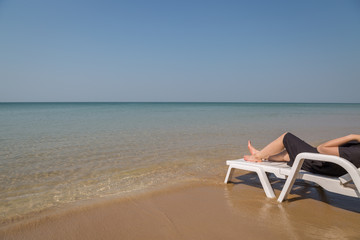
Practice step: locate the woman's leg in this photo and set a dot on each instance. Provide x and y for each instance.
(280, 157)
(273, 151)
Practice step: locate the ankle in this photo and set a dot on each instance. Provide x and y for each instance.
(258, 155)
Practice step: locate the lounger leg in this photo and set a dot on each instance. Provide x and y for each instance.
(287, 188)
(229, 174)
(290, 181)
(265, 183)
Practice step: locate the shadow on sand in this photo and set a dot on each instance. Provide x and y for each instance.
(302, 190)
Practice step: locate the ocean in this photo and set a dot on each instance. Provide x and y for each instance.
(54, 154)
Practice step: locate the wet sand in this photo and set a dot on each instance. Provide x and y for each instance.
(238, 210)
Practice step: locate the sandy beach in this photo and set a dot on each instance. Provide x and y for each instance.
(202, 211)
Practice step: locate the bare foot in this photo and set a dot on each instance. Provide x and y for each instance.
(252, 158)
(252, 150)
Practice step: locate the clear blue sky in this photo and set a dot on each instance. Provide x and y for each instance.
(267, 51)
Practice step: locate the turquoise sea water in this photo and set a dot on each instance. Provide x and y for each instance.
(52, 154)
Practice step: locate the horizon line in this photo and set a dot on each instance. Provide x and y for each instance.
(250, 102)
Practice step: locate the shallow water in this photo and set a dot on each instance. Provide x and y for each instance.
(55, 153)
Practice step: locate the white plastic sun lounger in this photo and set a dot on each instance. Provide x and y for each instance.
(340, 185)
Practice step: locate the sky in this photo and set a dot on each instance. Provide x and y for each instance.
(188, 50)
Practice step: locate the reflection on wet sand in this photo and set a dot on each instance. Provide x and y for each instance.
(309, 213)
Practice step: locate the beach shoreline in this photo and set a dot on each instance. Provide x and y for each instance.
(86, 165)
(54, 154)
(199, 210)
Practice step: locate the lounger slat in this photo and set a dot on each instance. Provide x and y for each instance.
(346, 178)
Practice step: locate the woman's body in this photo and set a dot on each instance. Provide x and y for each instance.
(287, 146)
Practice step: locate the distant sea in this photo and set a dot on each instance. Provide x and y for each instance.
(54, 154)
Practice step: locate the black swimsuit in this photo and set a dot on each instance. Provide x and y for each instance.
(349, 151)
